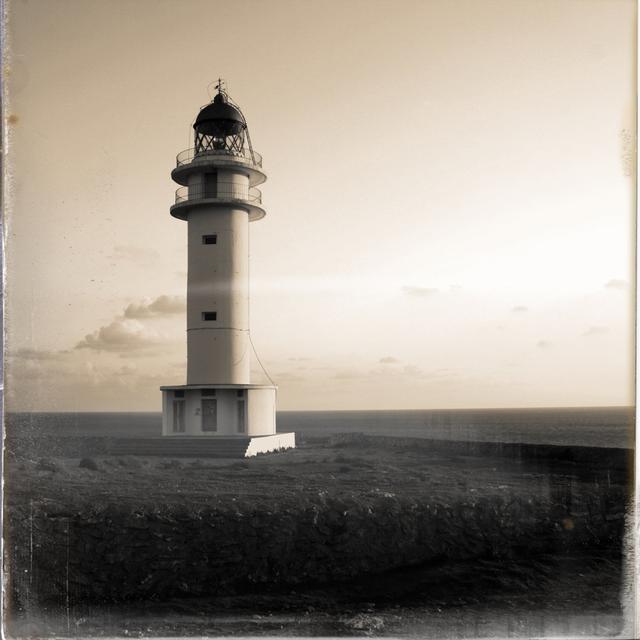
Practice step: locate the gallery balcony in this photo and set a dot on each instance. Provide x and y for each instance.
(227, 194)
(246, 161)
(246, 155)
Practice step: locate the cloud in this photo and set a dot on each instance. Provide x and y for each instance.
(419, 292)
(127, 370)
(519, 308)
(408, 372)
(77, 379)
(126, 335)
(349, 374)
(617, 284)
(388, 360)
(121, 335)
(412, 371)
(543, 344)
(40, 355)
(287, 376)
(596, 331)
(161, 306)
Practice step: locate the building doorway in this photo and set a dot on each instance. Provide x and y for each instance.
(209, 414)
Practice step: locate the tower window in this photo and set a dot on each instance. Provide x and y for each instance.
(208, 392)
(178, 394)
(211, 239)
(209, 316)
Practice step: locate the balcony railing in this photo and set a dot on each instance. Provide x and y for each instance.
(246, 155)
(223, 191)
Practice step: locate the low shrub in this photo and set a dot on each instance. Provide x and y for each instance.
(46, 464)
(89, 463)
(130, 462)
(170, 464)
(341, 458)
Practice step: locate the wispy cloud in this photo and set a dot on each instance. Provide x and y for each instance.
(407, 372)
(287, 376)
(544, 344)
(617, 284)
(78, 379)
(595, 331)
(349, 374)
(40, 355)
(519, 309)
(419, 292)
(161, 306)
(388, 360)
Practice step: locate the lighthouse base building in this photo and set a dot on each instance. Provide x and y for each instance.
(237, 414)
(219, 410)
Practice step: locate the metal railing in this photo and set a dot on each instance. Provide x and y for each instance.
(222, 191)
(246, 155)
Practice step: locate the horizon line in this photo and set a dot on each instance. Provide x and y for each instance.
(534, 408)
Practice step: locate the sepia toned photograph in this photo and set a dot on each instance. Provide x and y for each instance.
(319, 318)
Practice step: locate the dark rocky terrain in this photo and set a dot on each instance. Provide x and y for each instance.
(347, 535)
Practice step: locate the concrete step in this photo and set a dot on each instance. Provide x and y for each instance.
(214, 447)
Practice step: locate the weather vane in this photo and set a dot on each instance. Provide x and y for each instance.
(220, 86)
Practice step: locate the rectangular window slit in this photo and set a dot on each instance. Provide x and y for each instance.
(209, 316)
(211, 239)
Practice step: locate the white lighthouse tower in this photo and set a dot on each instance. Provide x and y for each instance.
(218, 199)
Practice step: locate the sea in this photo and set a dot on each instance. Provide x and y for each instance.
(584, 426)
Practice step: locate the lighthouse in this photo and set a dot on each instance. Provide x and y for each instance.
(218, 199)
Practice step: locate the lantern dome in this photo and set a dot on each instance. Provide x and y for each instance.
(220, 126)
(220, 116)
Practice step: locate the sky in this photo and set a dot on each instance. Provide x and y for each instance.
(450, 198)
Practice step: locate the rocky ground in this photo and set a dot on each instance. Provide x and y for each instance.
(343, 536)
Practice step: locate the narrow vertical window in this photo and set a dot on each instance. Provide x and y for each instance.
(178, 415)
(211, 185)
(241, 412)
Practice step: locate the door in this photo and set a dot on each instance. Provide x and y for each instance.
(209, 414)
(178, 416)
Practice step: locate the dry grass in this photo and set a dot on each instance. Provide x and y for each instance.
(359, 468)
